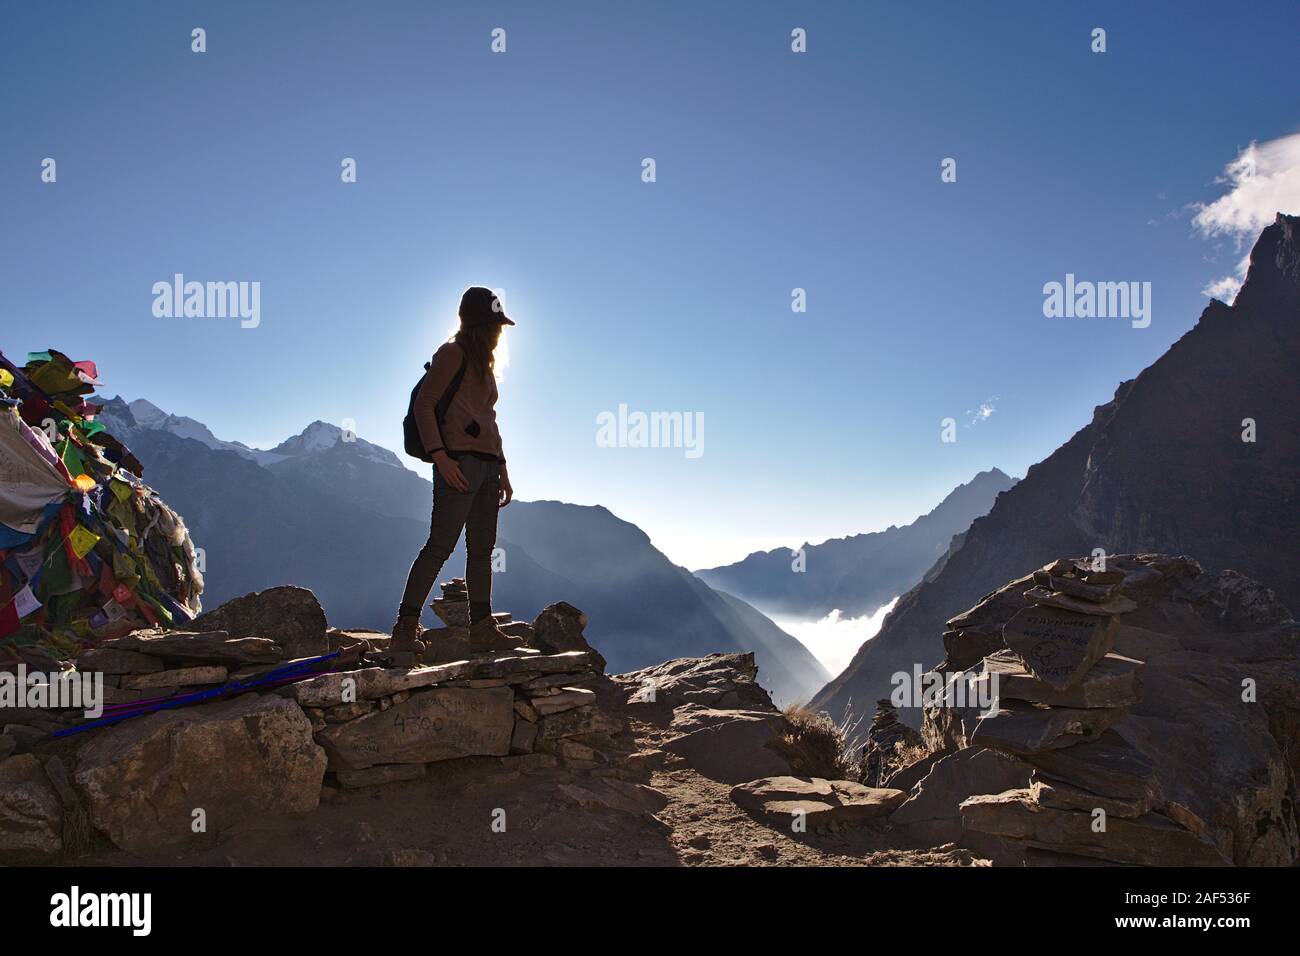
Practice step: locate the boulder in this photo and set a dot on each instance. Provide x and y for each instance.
(1150, 840)
(31, 814)
(782, 799)
(908, 777)
(732, 748)
(718, 680)
(559, 628)
(143, 779)
(440, 723)
(289, 616)
(954, 778)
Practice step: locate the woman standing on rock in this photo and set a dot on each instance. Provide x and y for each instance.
(455, 411)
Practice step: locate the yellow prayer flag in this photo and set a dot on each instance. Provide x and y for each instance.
(82, 540)
(84, 482)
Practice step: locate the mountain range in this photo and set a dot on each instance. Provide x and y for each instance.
(861, 573)
(1199, 455)
(337, 514)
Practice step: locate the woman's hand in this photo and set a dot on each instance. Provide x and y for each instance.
(507, 491)
(449, 468)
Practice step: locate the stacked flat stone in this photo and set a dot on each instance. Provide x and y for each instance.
(886, 739)
(378, 725)
(281, 748)
(1059, 690)
(453, 607)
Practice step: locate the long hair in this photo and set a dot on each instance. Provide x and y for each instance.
(479, 343)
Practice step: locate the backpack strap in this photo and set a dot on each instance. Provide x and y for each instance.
(444, 403)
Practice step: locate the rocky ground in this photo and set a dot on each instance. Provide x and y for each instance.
(1145, 715)
(552, 819)
(654, 808)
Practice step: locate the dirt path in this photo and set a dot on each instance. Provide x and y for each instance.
(485, 811)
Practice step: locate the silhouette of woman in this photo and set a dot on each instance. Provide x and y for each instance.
(455, 410)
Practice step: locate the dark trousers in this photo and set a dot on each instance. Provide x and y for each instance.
(476, 511)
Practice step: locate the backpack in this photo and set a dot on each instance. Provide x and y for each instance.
(411, 430)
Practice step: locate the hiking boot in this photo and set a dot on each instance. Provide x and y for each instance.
(406, 635)
(486, 637)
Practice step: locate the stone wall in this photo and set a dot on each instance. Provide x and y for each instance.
(162, 778)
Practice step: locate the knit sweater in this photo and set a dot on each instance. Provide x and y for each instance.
(470, 424)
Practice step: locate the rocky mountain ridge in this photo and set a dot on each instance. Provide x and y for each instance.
(1198, 455)
(858, 574)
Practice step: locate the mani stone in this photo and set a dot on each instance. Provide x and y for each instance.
(1148, 840)
(1022, 728)
(1109, 765)
(1116, 605)
(436, 724)
(1115, 681)
(781, 799)
(1059, 646)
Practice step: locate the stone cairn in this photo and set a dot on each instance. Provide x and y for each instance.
(1059, 689)
(453, 607)
(265, 743)
(887, 739)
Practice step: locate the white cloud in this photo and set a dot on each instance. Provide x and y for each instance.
(834, 639)
(983, 413)
(1263, 180)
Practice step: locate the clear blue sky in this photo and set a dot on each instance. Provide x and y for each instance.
(522, 171)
